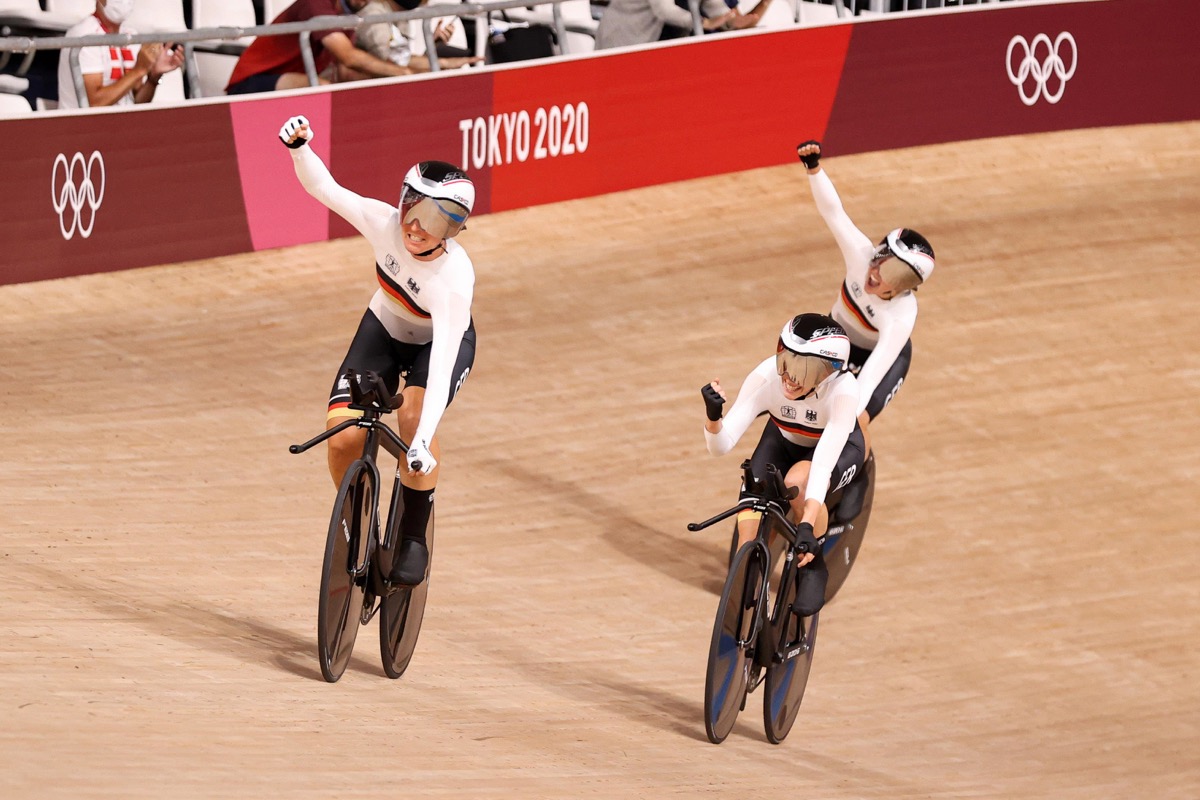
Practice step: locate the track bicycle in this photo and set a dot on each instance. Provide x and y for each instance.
(755, 632)
(353, 584)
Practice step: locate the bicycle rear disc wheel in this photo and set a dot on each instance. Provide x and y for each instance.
(785, 681)
(728, 661)
(400, 616)
(341, 589)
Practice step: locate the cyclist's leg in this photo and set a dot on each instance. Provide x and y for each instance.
(814, 576)
(892, 380)
(848, 481)
(371, 349)
(772, 449)
(418, 489)
(798, 476)
(864, 420)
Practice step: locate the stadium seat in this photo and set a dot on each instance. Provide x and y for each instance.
(222, 13)
(147, 16)
(26, 17)
(75, 8)
(781, 13)
(458, 38)
(14, 105)
(577, 17)
(813, 12)
(579, 42)
(170, 90)
(575, 14)
(215, 68)
(13, 84)
(20, 6)
(159, 15)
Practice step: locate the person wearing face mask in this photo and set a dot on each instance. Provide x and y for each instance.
(114, 76)
(812, 436)
(274, 63)
(877, 303)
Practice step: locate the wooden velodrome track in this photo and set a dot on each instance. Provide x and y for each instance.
(1022, 622)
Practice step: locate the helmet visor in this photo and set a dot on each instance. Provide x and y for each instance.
(805, 371)
(898, 275)
(439, 218)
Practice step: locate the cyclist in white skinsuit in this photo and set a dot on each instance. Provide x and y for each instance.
(876, 305)
(812, 437)
(418, 322)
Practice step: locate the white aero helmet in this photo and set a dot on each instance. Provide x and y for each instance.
(905, 259)
(438, 195)
(811, 348)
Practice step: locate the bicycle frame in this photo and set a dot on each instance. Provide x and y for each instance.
(770, 503)
(358, 557)
(374, 403)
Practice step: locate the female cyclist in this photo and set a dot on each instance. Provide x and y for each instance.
(812, 437)
(418, 322)
(877, 305)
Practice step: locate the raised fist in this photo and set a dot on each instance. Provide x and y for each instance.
(714, 399)
(810, 153)
(296, 132)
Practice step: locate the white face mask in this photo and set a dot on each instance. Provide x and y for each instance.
(118, 10)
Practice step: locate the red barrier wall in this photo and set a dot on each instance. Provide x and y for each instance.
(164, 188)
(111, 190)
(944, 78)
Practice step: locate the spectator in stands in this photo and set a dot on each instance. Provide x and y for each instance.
(386, 41)
(629, 22)
(274, 62)
(114, 76)
(738, 22)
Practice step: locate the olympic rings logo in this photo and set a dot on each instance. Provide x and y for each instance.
(1041, 69)
(78, 194)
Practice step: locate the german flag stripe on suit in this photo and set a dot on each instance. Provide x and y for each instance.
(853, 308)
(811, 435)
(397, 293)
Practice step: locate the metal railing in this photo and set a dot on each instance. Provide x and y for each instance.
(207, 39)
(200, 39)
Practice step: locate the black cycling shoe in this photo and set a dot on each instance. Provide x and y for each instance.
(810, 596)
(408, 568)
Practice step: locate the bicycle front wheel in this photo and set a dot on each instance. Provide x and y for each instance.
(400, 615)
(728, 660)
(343, 572)
(790, 664)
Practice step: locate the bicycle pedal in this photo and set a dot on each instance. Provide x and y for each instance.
(753, 680)
(369, 607)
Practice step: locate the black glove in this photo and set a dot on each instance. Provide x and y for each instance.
(804, 536)
(712, 402)
(812, 159)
